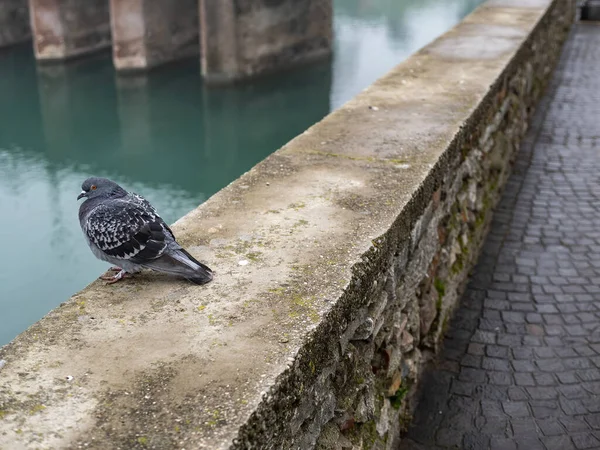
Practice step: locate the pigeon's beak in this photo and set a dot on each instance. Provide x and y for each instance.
(83, 194)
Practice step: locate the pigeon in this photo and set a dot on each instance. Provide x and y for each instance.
(124, 229)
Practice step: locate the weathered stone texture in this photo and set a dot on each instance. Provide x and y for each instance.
(339, 260)
(241, 39)
(147, 33)
(14, 22)
(65, 29)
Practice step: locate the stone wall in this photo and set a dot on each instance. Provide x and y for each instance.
(339, 260)
(239, 39)
(147, 33)
(398, 305)
(254, 37)
(14, 22)
(65, 29)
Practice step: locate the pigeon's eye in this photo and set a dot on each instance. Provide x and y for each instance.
(93, 187)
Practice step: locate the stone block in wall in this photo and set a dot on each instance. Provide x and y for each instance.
(246, 39)
(148, 33)
(14, 22)
(64, 29)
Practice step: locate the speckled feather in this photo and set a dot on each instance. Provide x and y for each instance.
(124, 229)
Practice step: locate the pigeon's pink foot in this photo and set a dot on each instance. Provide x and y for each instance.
(114, 278)
(115, 269)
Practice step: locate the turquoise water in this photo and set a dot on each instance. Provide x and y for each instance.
(162, 135)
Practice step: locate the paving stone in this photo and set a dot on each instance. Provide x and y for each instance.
(585, 351)
(543, 352)
(522, 353)
(550, 365)
(588, 374)
(493, 392)
(564, 352)
(592, 404)
(471, 361)
(585, 441)
(495, 351)
(553, 319)
(484, 337)
(524, 379)
(577, 363)
(550, 427)
(574, 424)
(593, 420)
(542, 393)
(558, 443)
(546, 308)
(524, 366)
(544, 379)
(502, 443)
(517, 393)
(529, 443)
(462, 388)
(475, 441)
(567, 377)
(476, 349)
(533, 318)
(509, 340)
(449, 437)
(513, 317)
(500, 378)
(573, 391)
(496, 427)
(472, 375)
(496, 364)
(523, 427)
(492, 409)
(572, 407)
(516, 409)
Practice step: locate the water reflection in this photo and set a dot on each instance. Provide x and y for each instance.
(373, 36)
(163, 135)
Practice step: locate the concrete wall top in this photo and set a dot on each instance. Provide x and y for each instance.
(160, 363)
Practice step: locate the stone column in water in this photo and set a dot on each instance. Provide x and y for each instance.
(241, 39)
(14, 22)
(147, 33)
(64, 29)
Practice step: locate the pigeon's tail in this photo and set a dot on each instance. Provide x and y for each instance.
(202, 273)
(180, 262)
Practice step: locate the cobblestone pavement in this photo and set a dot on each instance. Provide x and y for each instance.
(521, 363)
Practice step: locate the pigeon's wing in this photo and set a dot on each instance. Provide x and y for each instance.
(139, 200)
(136, 198)
(128, 231)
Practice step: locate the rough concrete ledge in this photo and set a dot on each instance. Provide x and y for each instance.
(339, 259)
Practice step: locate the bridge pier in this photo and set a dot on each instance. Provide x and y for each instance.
(14, 22)
(64, 29)
(245, 39)
(147, 33)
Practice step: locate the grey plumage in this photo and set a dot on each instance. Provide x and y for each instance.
(124, 229)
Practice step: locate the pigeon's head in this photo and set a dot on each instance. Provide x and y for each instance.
(100, 187)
